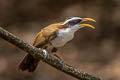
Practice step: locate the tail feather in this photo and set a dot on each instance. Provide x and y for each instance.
(29, 63)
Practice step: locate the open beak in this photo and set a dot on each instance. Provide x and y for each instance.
(87, 25)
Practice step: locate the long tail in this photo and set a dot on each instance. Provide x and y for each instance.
(29, 63)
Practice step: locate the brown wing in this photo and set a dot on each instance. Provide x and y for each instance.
(45, 35)
(29, 62)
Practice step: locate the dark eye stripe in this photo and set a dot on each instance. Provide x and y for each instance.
(73, 22)
(77, 21)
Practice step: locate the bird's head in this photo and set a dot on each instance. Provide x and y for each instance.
(78, 22)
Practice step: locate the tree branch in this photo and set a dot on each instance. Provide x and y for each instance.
(49, 60)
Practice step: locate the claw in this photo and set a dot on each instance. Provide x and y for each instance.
(46, 54)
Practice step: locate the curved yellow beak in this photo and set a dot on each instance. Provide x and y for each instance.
(88, 25)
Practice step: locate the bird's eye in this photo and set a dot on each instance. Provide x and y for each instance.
(77, 21)
(74, 22)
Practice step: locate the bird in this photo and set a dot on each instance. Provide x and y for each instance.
(53, 36)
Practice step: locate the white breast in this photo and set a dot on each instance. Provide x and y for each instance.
(64, 35)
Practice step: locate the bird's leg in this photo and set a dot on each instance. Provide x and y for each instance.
(60, 58)
(54, 50)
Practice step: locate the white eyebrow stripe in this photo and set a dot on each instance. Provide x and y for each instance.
(74, 18)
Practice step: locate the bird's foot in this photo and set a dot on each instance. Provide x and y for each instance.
(61, 61)
(45, 54)
(63, 64)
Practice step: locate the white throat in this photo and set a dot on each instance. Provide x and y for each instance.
(64, 35)
(75, 28)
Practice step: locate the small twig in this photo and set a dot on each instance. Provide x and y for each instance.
(49, 60)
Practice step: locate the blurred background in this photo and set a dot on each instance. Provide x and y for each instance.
(94, 51)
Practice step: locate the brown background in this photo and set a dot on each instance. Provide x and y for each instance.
(94, 51)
